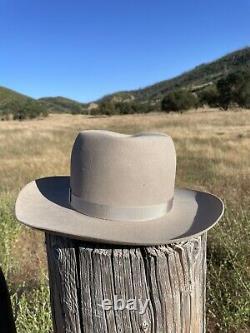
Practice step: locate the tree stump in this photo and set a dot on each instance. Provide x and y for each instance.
(170, 278)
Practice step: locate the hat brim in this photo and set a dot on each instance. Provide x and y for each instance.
(44, 204)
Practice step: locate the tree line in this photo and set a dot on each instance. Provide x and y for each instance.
(22, 109)
(232, 90)
(115, 108)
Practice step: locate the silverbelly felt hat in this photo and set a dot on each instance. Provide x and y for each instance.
(121, 190)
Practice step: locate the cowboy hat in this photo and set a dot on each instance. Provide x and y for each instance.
(121, 190)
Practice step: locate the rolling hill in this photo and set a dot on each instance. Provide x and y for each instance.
(14, 105)
(63, 105)
(8, 96)
(194, 80)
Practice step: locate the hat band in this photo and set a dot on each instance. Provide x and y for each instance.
(130, 213)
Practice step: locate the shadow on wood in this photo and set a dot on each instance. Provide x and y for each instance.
(172, 278)
(7, 324)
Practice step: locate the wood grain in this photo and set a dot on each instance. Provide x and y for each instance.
(171, 277)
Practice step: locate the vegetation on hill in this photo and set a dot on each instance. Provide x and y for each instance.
(231, 90)
(110, 108)
(19, 107)
(8, 94)
(179, 100)
(64, 105)
(29, 110)
(192, 80)
(219, 83)
(208, 96)
(234, 89)
(206, 85)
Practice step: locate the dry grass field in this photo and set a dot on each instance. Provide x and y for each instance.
(213, 154)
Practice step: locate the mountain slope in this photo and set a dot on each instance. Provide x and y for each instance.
(14, 105)
(8, 96)
(61, 104)
(194, 79)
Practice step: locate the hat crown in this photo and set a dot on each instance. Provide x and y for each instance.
(112, 171)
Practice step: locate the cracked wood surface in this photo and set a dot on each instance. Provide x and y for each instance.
(172, 277)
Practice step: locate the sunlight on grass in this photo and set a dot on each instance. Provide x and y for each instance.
(32, 310)
(213, 154)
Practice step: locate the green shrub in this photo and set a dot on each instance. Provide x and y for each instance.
(234, 89)
(11, 107)
(107, 108)
(141, 108)
(123, 108)
(243, 97)
(76, 109)
(5, 115)
(179, 100)
(208, 96)
(227, 88)
(110, 108)
(31, 109)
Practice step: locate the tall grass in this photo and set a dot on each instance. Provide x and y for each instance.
(30, 301)
(32, 309)
(213, 154)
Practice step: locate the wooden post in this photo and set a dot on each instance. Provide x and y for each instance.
(172, 278)
(7, 324)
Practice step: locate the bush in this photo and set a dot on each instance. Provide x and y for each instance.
(30, 110)
(234, 89)
(142, 108)
(208, 96)
(5, 115)
(227, 88)
(110, 108)
(107, 108)
(123, 108)
(10, 108)
(243, 96)
(179, 100)
(76, 109)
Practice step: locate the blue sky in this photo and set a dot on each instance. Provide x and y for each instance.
(86, 49)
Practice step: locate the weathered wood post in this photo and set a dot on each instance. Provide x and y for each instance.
(171, 277)
(121, 191)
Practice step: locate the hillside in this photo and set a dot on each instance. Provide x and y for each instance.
(14, 105)
(8, 96)
(63, 105)
(195, 79)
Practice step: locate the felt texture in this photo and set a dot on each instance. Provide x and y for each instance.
(123, 182)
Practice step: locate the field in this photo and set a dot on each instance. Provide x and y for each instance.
(213, 154)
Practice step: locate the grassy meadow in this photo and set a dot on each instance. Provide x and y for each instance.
(213, 154)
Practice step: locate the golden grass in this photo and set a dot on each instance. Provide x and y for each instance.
(213, 153)
(42, 147)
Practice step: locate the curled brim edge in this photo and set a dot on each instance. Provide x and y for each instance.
(44, 204)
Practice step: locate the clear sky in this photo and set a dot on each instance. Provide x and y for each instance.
(83, 49)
